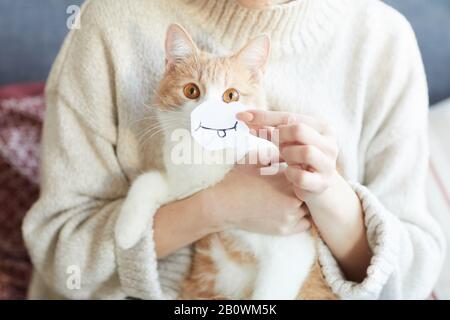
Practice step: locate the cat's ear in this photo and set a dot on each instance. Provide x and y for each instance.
(255, 54)
(179, 45)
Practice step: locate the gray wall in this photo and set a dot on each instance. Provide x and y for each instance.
(431, 21)
(31, 32)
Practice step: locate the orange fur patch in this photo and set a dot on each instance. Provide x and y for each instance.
(207, 71)
(200, 282)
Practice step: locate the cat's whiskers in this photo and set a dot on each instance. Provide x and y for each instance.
(153, 118)
(157, 126)
(146, 139)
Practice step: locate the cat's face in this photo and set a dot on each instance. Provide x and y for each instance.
(193, 77)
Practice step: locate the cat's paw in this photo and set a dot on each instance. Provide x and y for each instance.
(128, 235)
(145, 196)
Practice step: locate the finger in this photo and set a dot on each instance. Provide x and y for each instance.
(263, 158)
(268, 157)
(264, 132)
(261, 154)
(307, 155)
(244, 116)
(258, 158)
(303, 134)
(305, 180)
(267, 118)
(277, 118)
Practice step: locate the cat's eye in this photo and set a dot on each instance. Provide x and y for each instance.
(231, 95)
(191, 91)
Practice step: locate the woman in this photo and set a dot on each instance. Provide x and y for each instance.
(349, 65)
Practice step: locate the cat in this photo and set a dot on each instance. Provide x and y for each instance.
(232, 264)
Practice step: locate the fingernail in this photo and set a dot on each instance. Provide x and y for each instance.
(245, 116)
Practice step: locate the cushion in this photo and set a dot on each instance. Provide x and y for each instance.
(438, 183)
(21, 114)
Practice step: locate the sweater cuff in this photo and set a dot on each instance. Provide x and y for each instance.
(141, 274)
(381, 229)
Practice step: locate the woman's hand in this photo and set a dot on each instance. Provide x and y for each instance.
(247, 200)
(310, 149)
(308, 146)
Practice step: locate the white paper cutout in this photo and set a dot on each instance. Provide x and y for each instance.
(214, 125)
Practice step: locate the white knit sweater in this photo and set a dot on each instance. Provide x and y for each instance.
(354, 64)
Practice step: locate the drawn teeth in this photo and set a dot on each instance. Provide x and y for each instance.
(221, 133)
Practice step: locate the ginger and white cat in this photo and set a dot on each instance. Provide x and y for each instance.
(233, 264)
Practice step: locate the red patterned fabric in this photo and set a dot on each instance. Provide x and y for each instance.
(21, 115)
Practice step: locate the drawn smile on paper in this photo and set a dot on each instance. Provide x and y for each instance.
(221, 132)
